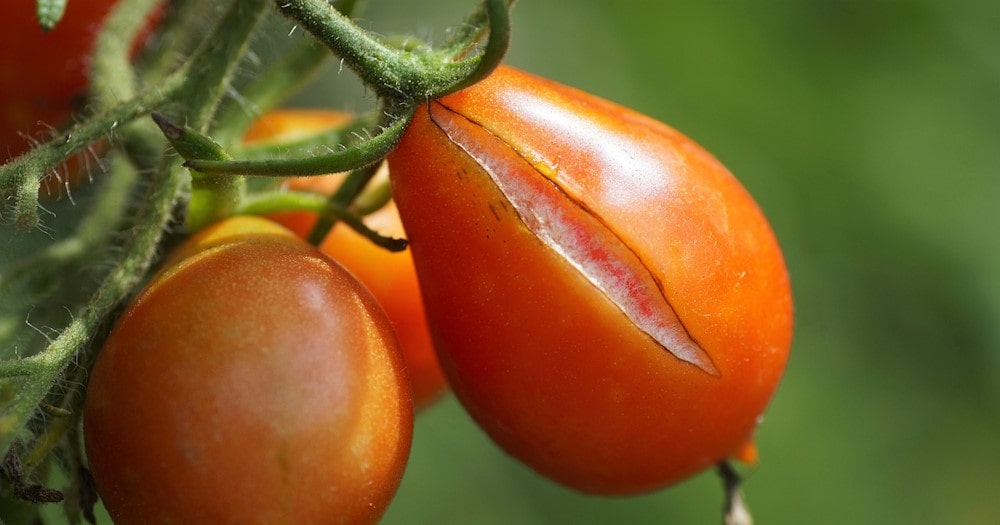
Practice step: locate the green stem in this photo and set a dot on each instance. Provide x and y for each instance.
(472, 29)
(284, 201)
(399, 76)
(213, 197)
(218, 58)
(94, 230)
(363, 154)
(373, 198)
(378, 65)
(111, 75)
(29, 168)
(214, 62)
(288, 73)
(138, 251)
(178, 34)
(344, 196)
(498, 12)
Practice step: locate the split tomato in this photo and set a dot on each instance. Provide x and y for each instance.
(253, 380)
(390, 276)
(609, 303)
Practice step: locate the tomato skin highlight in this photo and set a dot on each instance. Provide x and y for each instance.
(252, 381)
(391, 277)
(550, 364)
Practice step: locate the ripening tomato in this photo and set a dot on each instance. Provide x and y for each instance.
(390, 276)
(609, 303)
(253, 380)
(392, 279)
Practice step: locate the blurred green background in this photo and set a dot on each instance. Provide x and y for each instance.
(869, 132)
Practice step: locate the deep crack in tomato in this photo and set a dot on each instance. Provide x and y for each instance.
(253, 380)
(609, 303)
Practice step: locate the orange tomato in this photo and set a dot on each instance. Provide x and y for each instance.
(608, 302)
(390, 276)
(254, 380)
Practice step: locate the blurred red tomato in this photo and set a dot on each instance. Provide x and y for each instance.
(43, 74)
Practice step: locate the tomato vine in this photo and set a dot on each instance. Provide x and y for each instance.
(143, 192)
(497, 172)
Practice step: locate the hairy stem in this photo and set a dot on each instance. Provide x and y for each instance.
(217, 59)
(111, 76)
(276, 202)
(210, 70)
(344, 196)
(363, 154)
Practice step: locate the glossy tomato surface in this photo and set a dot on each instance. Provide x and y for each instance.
(253, 380)
(609, 303)
(392, 279)
(390, 276)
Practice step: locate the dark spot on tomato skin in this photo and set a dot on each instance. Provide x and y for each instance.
(494, 211)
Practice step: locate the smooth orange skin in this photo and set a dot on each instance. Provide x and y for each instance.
(252, 381)
(391, 277)
(546, 364)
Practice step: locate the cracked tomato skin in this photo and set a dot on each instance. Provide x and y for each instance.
(253, 380)
(607, 301)
(390, 276)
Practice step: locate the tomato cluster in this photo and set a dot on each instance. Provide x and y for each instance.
(605, 299)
